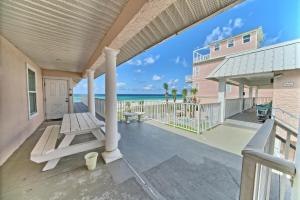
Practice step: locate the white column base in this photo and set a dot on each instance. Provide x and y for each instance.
(110, 156)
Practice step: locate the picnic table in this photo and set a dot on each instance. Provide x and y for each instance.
(72, 125)
(129, 115)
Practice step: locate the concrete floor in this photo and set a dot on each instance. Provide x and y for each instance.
(247, 116)
(157, 164)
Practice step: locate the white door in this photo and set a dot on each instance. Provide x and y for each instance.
(56, 98)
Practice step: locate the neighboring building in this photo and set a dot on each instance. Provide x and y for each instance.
(204, 64)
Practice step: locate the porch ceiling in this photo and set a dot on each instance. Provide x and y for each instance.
(58, 34)
(70, 35)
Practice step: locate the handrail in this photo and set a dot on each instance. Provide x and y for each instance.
(271, 161)
(261, 137)
(258, 160)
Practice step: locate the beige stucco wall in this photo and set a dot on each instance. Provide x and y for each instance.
(15, 125)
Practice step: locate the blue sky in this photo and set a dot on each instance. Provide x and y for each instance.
(171, 60)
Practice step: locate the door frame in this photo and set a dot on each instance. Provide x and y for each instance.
(69, 92)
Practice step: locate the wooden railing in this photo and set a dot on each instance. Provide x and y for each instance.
(264, 154)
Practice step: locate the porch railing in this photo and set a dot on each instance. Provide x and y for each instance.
(272, 149)
(192, 117)
(233, 107)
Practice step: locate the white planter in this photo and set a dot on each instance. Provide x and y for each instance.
(91, 160)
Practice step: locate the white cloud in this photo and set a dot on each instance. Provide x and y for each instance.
(151, 59)
(156, 77)
(238, 23)
(275, 39)
(148, 87)
(121, 84)
(136, 62)
(177, 60)
(220, 33)
(182, 61)
(147, 60)
(138, 71)
(173, 82)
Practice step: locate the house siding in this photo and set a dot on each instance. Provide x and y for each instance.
(208, 89)
(14, 120)
(288, 97)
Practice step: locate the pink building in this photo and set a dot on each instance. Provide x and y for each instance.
(203, 65)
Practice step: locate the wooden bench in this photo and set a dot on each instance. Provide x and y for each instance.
(46, 143)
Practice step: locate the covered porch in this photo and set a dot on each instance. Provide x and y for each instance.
(153, 167)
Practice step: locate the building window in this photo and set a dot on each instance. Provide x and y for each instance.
(31, 89)
(230, 43)
(217, 47)
(246, 38)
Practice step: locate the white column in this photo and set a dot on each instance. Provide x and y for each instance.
(250, 92)
(91, 96)
(241, 96)
(256, 92)
(251, 95)
(241, 90)
(221, 98)
(112, 152)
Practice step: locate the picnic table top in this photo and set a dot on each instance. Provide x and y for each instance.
(133, 113)
(76, 123)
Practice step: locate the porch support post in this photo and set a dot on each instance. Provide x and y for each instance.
(251, 95)
(221, 98)
(241, 96)
(256, 92)
(241, 90)
(91, 96)
(112, 152)
(250, 92)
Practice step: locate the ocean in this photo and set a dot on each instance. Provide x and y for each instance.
(143, 97)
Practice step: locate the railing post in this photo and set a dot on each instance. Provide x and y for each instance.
(174, 115)
(247, 179)
(296, 181)
(199, 118)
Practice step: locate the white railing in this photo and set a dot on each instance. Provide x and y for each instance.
(198, 57)
(100, 107)
(84, 100)
(248, 103)
(262, 100)
(233, 107)
(192, 117)
(269, 151)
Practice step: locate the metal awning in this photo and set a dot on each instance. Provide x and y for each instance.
(258, 63)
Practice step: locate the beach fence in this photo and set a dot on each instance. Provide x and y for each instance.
(188, 116)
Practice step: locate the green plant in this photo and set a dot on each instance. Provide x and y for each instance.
(166, 87)
(194, 92)
(184, 94)
(174, 94)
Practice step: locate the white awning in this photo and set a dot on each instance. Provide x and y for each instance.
(279, 57)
